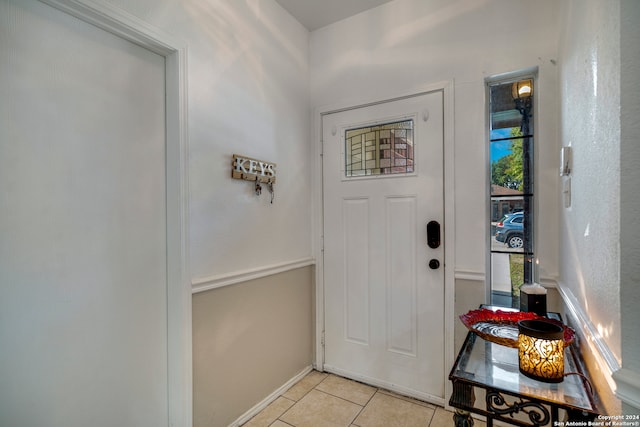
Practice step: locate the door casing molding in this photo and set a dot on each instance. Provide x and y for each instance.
(128, 27)
(449, 226)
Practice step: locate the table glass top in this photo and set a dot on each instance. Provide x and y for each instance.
(493, 365)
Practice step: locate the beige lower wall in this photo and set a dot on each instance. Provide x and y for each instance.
(249, 339)
(469, 295)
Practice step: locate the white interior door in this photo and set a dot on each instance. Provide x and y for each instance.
(83, 224)
(384, 305)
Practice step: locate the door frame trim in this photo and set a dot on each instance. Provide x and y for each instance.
(449, 217)
(179, 336)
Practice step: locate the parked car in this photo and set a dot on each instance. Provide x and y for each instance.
(509, 230)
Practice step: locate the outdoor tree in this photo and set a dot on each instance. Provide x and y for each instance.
(507, 170)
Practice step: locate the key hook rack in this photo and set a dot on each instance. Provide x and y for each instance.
(258, 188)
(257, 171)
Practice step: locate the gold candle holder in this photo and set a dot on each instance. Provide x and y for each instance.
(541, 350)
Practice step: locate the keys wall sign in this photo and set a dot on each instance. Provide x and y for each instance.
(255, 170)
(252, 169)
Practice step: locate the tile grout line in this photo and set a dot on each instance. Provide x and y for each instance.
(310, 390)
(376, 390)
(278, 419)
(363, 408)
(328, 394)
(433, 414)
(295, 402)
(338, 397)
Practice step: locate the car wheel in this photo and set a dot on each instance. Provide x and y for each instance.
(515, 241)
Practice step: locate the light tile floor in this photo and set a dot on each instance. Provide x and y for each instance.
(327, 400)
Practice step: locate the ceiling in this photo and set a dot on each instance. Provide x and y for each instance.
(314, 14)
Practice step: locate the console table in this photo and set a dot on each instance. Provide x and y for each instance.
(491, 371)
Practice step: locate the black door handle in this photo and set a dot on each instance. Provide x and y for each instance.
(433, 234)
(434, 264)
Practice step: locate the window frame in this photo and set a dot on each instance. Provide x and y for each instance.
(510, 78)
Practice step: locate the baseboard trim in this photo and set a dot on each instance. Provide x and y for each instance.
(604, 357)
(273, 396)
(628, 386)
(214, 282)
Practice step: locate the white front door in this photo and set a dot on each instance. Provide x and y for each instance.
(83, 225)
(384, 304)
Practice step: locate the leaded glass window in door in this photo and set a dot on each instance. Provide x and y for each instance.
(382, 149)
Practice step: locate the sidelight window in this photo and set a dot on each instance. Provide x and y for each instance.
(511, 145)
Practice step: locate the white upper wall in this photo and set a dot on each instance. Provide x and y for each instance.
(407, 44)
(248, 94)
(590, 228)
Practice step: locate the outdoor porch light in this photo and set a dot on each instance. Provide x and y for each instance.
(522, 89)
(541, 350)
(522, 93)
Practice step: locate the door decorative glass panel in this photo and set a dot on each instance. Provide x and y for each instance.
(379, 150)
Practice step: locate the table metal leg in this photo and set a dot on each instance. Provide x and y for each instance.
(462, 397)
(462, 418)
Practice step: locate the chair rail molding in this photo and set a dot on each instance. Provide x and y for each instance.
(477, 276)
(214, 282)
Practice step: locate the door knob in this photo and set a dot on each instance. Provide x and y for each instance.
(434, 264)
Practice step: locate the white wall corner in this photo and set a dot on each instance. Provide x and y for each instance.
(244, 418)
(628, 386)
